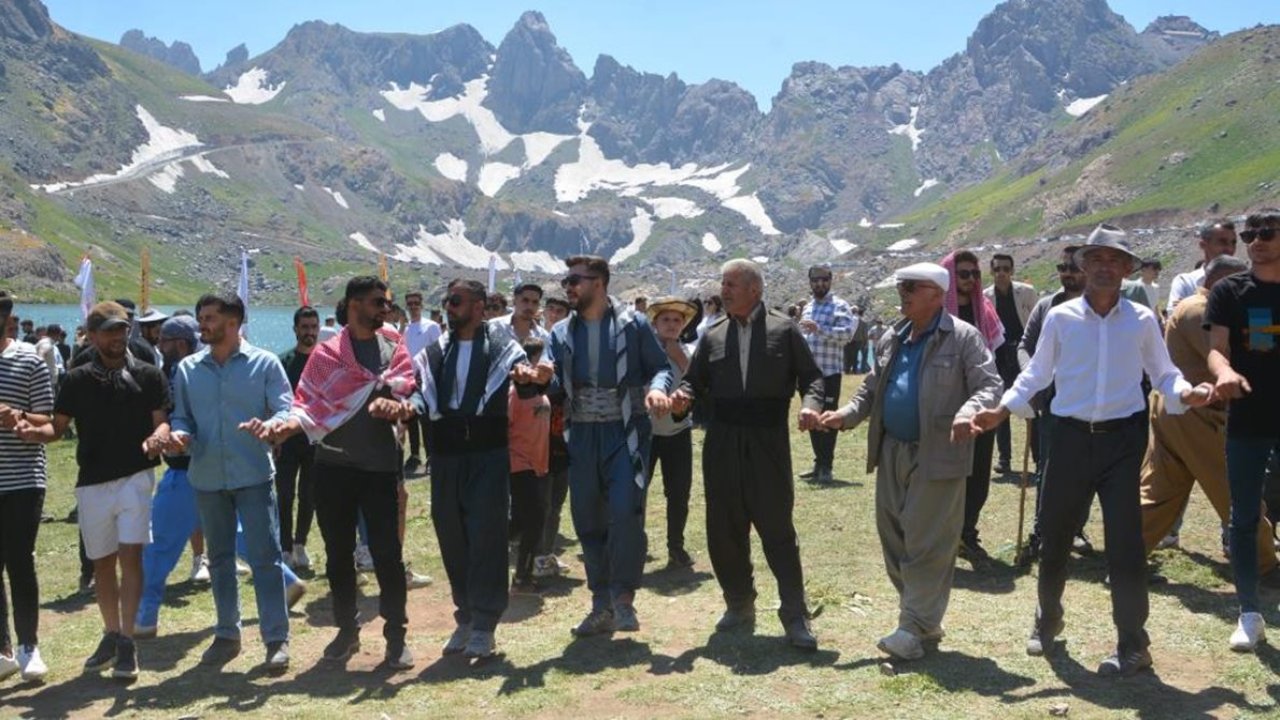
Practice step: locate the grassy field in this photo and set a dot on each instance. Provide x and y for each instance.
(675, 666)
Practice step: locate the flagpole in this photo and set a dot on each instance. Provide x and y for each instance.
(144, 293)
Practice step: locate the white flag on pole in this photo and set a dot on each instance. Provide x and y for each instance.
(493, 272)
(242, 289)
(84, 281)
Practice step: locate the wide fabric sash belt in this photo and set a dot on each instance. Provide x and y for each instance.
(761, 412)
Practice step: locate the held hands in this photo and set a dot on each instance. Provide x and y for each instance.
(831, 420)
(657, 403)
(27, 432)
(809, 326)
(525, 374)
(1231, 385)
(390, 410)
(680, 402)
(156, 443)
(962, 429)
(9, 416)
(985, 419)
(263, 431)
(1203, 394)
(810, 420)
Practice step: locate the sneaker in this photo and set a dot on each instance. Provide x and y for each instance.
(200, 568)
(364, 559)
(1250, 630)
(544, 566)
(624, 618)
(220, 652)
(8, 665)
(457, 641)
(561, 567)
(679, 558)
(1125, 664)
(398, 656)
(343, 646)
(145, 632)
(412, 465)
(31, 664)
(902, 645)
(1002, 468)
(301, 560)
(286, 558)
(1042, 635)
(480, 645)
(294, 593)
(1080, 545)
(102, 658)
(1168, 541)
(414, 581)
(242, 568)
(126, 667)
(277, 656)
(597, 622)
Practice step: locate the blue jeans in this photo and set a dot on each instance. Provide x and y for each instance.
(219, 513)
(1246, 468)
(608, 510)
(173, 520)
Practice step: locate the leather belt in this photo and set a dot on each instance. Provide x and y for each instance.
(1098, 427)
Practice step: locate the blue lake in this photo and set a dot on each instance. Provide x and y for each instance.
(270, 328)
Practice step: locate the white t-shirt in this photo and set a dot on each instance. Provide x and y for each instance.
(418, 335)
(464, 366)
(1184, 286)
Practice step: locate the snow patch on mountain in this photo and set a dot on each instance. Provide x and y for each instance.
(902, 245)
(750, 207)
(669, 207)
(910, 130)
(380, 114)
(494, 175)
(167, 178)
(711, 243)
(841, 246)
(1080, 106)
(337, 197)
(202, 164)
(202, 98)
(162, 143)
(641, 227)
(537, 261)
(450, 247)
(452, 166)
(931, 182)
(359, 239)
(252, 88)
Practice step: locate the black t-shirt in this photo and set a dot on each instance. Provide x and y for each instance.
(137, 347)
(1007, 309)
(112, 420)
(294, 362)
(1250, 309)
(965, 313)
(364, 441)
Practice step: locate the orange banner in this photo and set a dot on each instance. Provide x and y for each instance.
(303, 297)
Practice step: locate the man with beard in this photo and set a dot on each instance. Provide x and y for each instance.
(611, 369)
(419, 332)
(296, 455)
(828, 325)
(149, 332)
(118, 403)
(1014, 302)
(465, 385)
(227, 399)
(354, 389)
(747, 367)
(522, 323)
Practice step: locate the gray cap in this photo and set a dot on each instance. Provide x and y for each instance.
(181, 327)
(1106, 236)
(152, 316)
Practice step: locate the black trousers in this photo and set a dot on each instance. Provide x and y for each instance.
(675, 454)
(294, 470)
(418, 429)
(20, 512)
(824, 442)
(556, 489)
(470, 495)
(1106, 464)
(977, 487)
(747, 475)
(342, 494)
(529, 496)
(1007, 366)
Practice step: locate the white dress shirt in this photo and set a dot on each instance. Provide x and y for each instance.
(418, 335)
(1096, 364)
(1184, 286)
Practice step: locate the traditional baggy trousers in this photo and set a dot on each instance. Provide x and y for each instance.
(470, 503)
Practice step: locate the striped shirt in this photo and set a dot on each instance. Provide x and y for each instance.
(25, 385)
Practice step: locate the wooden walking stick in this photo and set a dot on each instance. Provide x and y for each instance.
(1022, 493)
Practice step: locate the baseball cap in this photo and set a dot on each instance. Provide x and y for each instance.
(106, 315)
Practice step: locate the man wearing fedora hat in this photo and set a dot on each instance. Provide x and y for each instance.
(672, 444)
(1087, 350)
(930, 375)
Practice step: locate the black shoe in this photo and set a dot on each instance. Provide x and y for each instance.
(398, 655)
(597, 622)
(220, 652)
(86, 584)
(824, 476)
(1080, 545)
(105, 655)
(973, 551)
(737, 616)
(1042, 635)
(678, 558)
(277, 656)
(126, 667)
(412, 465)
(1125, 664)
(800, 636)
(343, 646)
(810, 473)
(524, 586)
(1030, 552)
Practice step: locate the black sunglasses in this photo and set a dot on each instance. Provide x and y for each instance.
(823, 279)
(1263, 234)
(379, 301)
(1002, 268)
(913, 285)
(575, 279)
(454, 300)
(966, 274)
(1068, 267)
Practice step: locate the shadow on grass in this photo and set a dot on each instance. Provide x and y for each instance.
(957, 672)
(1145, 694)
(674, 582)
(992, 577)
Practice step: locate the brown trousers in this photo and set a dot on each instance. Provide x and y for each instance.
(1183, 450)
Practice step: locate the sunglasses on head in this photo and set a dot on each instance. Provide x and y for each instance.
(1263, 234)
(575, 279)
(1068, 267)
(966, 274)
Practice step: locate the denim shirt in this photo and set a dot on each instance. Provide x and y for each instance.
(209, 403)
(902, 391)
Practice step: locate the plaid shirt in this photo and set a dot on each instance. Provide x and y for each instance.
(836, 325)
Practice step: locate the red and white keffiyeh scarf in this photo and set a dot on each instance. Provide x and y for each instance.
(334, 385)
(984, 311)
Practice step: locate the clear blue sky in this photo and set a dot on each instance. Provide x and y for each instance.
(750, 42)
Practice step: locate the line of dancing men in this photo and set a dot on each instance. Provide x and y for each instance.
(944, 381)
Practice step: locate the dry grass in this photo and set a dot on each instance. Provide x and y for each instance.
(675, 667)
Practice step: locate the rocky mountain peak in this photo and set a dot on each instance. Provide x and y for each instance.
(1172, 38)
(236, 56)
(178, 55)
(25, 20)
(534, 83)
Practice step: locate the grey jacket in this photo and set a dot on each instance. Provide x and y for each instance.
(958, 377)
